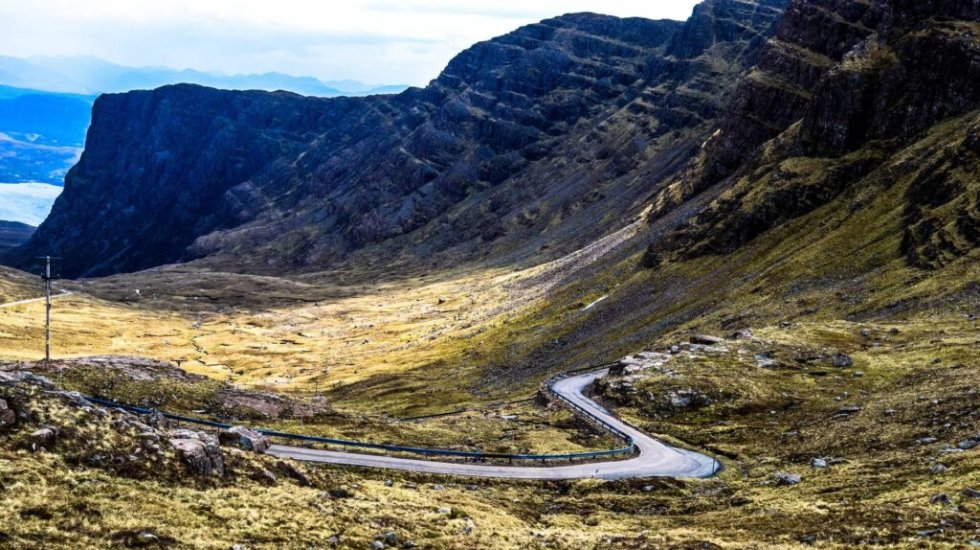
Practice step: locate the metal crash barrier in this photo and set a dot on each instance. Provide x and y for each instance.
(629, 448)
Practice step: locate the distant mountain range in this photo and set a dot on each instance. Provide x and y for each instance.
(92, 76)
(46, 105)
(14, 234)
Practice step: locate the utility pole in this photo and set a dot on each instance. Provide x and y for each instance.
(47, 309)
(46, 276)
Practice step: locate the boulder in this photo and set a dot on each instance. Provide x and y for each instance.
(846, 411)
(7, 415)
(266, 477)
(842, 360)
(245, 438)
(640, 361)
(200, 452)
(743, 334)
(706, 349)
(970, 492)
(338, 492)
(941, 498)
(157, 420)
(818, 463)
(968, 444)
(688, 399)
(16, 377)
(785, 478)
(765, 360)
(43, 438)
(705, 340)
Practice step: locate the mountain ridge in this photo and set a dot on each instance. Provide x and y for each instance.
(499, 113)
(14, 234)
(88, 75)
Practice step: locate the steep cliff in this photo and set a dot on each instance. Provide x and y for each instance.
(538, 142)
(561, 126)
(824, 110)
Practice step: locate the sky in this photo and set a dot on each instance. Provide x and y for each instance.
(27, 202)
(373, 41)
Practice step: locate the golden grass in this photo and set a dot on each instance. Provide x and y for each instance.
(391, 348)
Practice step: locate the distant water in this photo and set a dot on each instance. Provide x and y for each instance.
(27, 202)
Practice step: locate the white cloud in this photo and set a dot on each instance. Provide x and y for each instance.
(29, 203)
(382, 41)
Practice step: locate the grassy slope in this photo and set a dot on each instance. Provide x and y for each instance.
(809, 285)
(17, 285)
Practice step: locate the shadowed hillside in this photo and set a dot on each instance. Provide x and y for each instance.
(570, 122)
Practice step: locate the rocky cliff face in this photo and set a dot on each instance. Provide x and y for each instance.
(561, 127)
(840, 90)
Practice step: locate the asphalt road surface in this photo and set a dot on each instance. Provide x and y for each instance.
(61, 294)
(653, 458)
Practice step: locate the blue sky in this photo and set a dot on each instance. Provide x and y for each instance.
(374, 41)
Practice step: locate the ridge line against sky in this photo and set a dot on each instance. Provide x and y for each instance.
(383, 41)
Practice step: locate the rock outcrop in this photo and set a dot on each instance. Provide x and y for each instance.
(7, 415)
(245, 438)
(842, 87)
(199, 450)
(38, 416)
(546, 129)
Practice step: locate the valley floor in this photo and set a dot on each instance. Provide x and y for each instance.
(890, 429)
(887, 451)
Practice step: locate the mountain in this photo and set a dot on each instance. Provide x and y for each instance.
(45, 117)
(557, 126)
(13, 234)
(42, 133)
(825, 105)
(539, 142)
(92, 76)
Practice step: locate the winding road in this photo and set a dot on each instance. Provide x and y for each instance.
(61, 294)
(653, 459)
